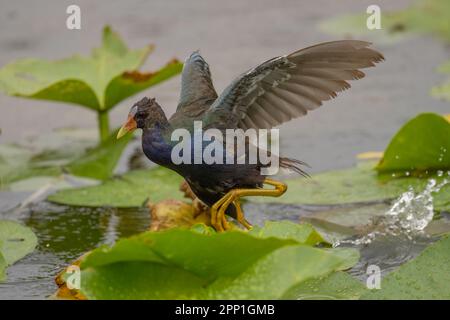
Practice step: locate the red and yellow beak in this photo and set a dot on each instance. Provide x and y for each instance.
(129, 126)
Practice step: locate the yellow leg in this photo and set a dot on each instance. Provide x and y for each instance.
(215, 222)
(221, 212)
(218, 219)
(240, 215)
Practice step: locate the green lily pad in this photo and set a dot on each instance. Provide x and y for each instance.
(336, 286)
(184, 264)
(303, 233)
(288, 230)
(86, 81)
(54, 183)
(217, 250)
(23, 167)
(356, 185)
(276, 273)
(132, 189)
(12, 158)
(100, 162)
(425, 277)
(421, 145)
(43, 155)
(16, 241)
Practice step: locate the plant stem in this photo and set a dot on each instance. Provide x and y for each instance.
(103, 125)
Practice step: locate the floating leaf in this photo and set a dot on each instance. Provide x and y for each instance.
(356, 185)
(12, 158)
(421, 145)
(132, 189)
(336, 286)
(100, 162)
(16, 241)
(289, 230)
(219, 257)
(275, 274)
(183, 264)
(23, 167)
(425, 277)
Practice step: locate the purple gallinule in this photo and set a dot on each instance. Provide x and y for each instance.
(274, 92)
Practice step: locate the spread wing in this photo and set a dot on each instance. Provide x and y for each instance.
(289, 86)
(197, 90)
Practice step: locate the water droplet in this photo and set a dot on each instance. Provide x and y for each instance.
(409, 214)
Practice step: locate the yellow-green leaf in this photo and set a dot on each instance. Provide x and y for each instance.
(422, 145)
(16, 241)
(98, 81)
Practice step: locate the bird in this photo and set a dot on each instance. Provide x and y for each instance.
(268, 95)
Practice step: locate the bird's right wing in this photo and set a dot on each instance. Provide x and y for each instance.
(197, 90)
(289, 86)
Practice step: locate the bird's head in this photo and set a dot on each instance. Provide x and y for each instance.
(143, 114)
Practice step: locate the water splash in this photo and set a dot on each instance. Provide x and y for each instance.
(412, 212)
(408, 216)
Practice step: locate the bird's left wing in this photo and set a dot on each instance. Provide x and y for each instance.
(197, 90)
(289, 86)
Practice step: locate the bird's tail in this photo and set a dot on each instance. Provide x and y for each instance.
(294, 165)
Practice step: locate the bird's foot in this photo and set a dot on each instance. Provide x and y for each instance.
(240, 215)
(218, 219)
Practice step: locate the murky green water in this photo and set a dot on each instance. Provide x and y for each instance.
(64, 233)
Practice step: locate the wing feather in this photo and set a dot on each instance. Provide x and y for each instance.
(197, 91)
(289, 86)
